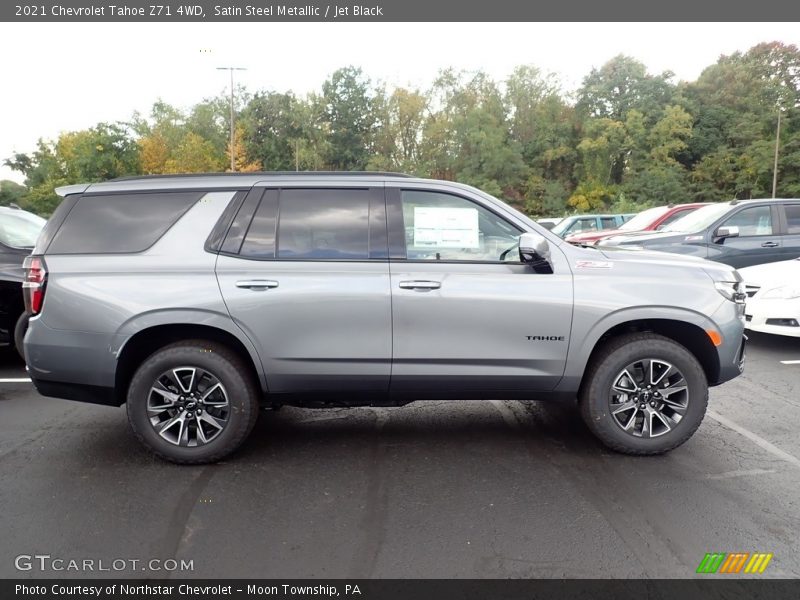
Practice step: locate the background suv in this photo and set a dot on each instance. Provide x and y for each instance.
(587, 223)
(197, 299)
(739, 233)
(652, 219)
(18, 232)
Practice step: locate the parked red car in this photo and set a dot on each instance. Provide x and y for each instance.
(651, 219)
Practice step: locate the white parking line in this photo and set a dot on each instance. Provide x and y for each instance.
(790, 362)
(757, 440)
(16, 380)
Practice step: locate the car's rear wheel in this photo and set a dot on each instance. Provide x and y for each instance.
(192, 402)
(644, 394)
(19, 333)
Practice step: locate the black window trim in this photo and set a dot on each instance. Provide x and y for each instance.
(247, 211)
(376, 199)
(397, 242)
(219, 232)
(261, 194)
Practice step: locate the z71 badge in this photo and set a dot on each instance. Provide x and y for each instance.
(593, 264)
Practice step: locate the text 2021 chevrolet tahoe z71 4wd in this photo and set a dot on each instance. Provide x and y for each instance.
(196, 299)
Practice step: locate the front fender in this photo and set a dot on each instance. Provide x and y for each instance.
(581, 348)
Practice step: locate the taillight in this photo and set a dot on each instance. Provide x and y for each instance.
(33, 286)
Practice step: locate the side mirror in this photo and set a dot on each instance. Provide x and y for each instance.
(534, 250)
(727, 232)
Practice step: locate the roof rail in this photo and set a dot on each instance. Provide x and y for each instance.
(267, 174)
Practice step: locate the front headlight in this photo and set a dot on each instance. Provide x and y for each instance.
(732, 290)
(785, 292)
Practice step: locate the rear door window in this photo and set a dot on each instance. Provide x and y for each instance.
(792, 218)
(323, 224)
(314, 224)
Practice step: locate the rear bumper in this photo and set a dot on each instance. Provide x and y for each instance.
(75, 365)
(92, 394)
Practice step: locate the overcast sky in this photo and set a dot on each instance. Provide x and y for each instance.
(62, 77)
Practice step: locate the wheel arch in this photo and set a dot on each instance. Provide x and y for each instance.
(144, 342)
(691, 336)
(686, 327)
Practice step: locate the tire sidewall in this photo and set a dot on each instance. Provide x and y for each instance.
(241, 397)
(20, 328)
(597, 410)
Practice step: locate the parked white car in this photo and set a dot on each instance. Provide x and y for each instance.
(773, 297)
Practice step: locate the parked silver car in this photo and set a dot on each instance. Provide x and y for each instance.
(198, 299)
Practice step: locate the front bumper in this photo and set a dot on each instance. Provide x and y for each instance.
(774, 316)
(732, 353)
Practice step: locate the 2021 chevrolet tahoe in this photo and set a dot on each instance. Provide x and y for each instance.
(197, 299)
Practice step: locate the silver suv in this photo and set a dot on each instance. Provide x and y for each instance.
(197, 300)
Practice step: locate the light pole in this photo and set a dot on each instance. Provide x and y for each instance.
(232, 69)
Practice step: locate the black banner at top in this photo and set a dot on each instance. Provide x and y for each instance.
(265, 11)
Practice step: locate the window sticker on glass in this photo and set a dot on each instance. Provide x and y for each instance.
(438, 227)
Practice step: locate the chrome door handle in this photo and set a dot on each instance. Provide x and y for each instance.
(769, 245)
(420, 285)
(256, 284)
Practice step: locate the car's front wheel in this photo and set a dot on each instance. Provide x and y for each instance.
(192, 402)
(644, 394)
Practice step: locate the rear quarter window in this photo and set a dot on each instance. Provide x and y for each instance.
(120, 223)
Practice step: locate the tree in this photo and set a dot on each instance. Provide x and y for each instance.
(545, 127)
(11, 193)
(621, 85)
(468, 137)
(154, 153)
(273, 125)
(735, 103)
(102, 152)
(172, 142)
(194, 155)
(347, 110)
(399, 118)
(240, 161)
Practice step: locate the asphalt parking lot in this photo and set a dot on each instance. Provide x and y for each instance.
(435, 489)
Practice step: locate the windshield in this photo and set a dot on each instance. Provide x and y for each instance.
(20, 229)
(699, 219)
(644, 218)
(559, 228)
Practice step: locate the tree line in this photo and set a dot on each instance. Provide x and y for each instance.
(625, 140)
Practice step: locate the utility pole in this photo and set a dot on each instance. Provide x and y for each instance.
(775, 166)
(232, 69)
